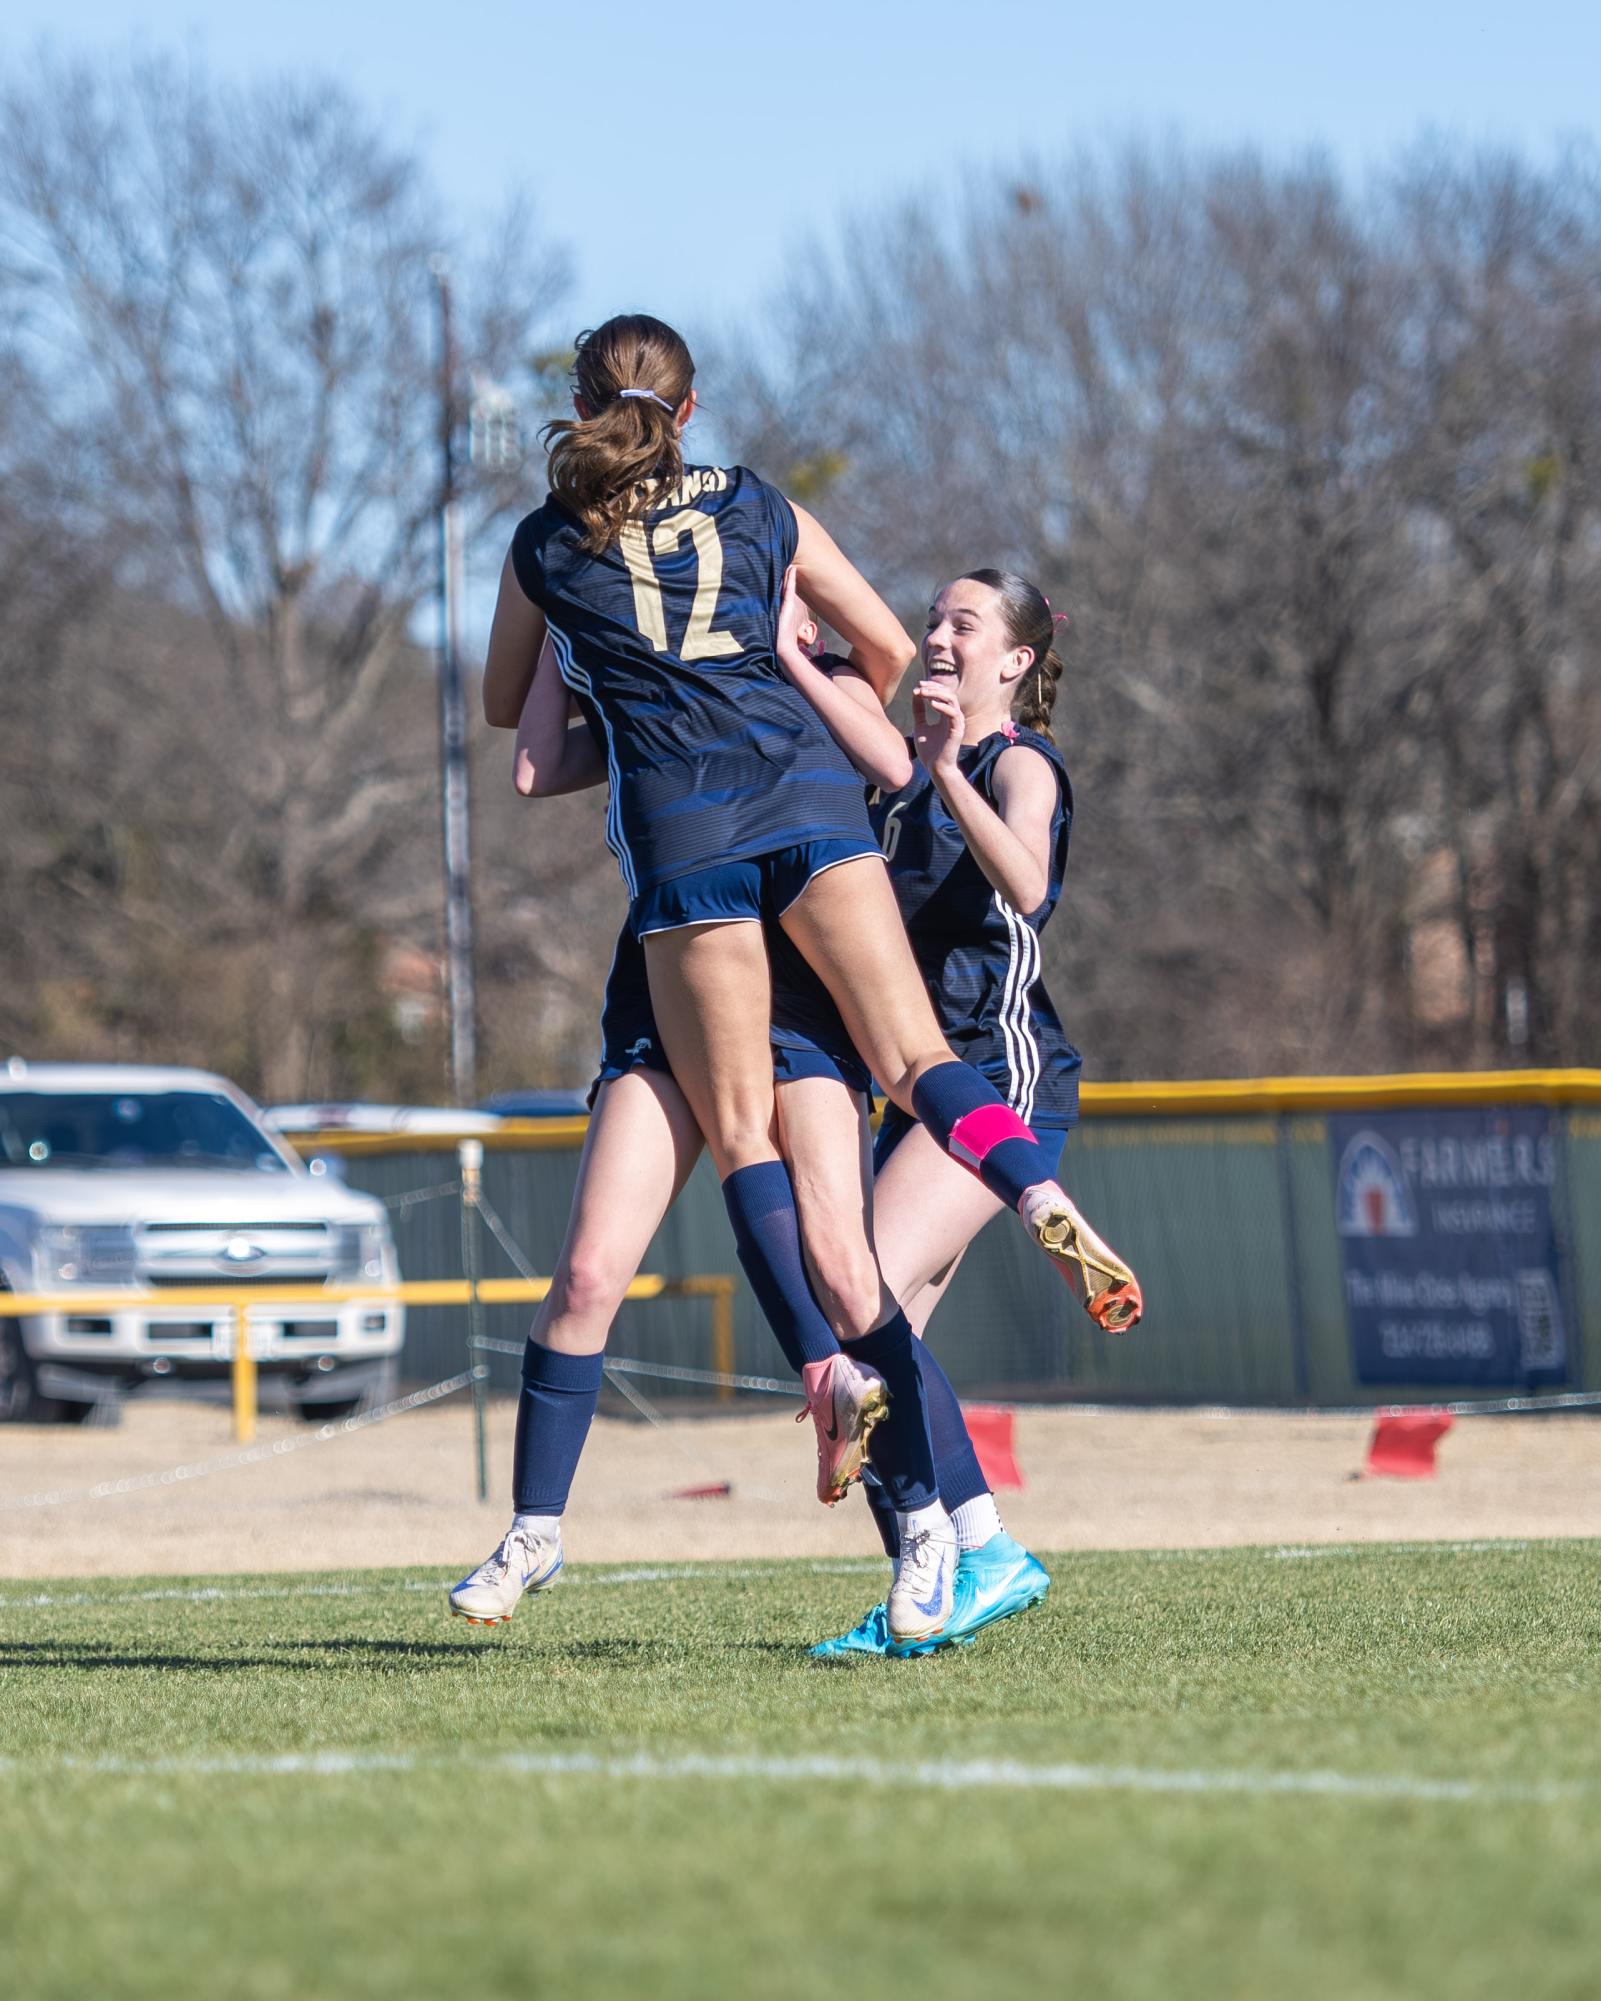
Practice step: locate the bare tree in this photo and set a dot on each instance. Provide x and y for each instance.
(1500, 431)
(231, 290)
(1314, 478)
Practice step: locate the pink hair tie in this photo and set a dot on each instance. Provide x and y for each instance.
(1009, 729)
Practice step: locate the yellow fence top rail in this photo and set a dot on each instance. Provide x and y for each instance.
(1124, 1101)
(1340, 1094)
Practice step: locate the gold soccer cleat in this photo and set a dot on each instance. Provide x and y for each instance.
(1107, 1289)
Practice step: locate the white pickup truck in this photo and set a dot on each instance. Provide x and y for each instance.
(124, 1179)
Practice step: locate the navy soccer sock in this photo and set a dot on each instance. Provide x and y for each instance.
(761, 1207)
(961, 1478)
(553, 1418)
(956, 1466)
(883, 1512)
(901, 1449)
(969, 1119)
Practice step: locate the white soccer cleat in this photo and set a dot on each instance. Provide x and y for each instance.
(490, 1594)
(922, 1597)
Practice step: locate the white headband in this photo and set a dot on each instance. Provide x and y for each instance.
(649, 396)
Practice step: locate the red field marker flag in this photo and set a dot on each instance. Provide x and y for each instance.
(990, 1429)
(1404, 1442)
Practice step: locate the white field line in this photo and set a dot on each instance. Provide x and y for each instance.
(1307, 1550)
(211, 1594)
(208, 1594)
(939, 1775)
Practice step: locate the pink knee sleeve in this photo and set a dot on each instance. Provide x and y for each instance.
(977, 1132)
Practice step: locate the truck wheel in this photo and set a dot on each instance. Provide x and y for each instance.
(20, 1401)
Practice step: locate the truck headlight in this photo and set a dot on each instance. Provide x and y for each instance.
(80, 1254)
(367, 1254)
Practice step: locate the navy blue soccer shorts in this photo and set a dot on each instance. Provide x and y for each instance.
(745, 891)
(808, 1038)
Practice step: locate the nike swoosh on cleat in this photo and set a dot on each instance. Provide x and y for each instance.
(831, 1430)
(928, 1610)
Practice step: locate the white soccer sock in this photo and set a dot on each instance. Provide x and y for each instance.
(917, 1520)
(975, 1521)
(546, 1527)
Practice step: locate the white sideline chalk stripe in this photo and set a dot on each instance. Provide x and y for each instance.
(688, 1573)
(943, 1775)
(1302, 1552)
(210, 1594)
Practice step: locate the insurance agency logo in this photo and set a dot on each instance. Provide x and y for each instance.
(1373, 1199)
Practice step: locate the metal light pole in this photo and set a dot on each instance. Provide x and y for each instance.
(453, 729)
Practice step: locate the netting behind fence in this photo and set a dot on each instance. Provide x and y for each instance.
(1230, 1221)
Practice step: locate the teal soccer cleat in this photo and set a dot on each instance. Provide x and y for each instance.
(870, 1637)
(992, 1583)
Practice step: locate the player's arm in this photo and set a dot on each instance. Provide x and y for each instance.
(515, 638)
(1011, 840)
(554, 754)
(853, 714)
(880, 647)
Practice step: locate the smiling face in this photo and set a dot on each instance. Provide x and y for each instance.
(966, 647)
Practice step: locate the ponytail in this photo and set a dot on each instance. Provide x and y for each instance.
(606, 468)
(1036, 695)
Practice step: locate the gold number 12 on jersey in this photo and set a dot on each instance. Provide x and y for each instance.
(701, 641)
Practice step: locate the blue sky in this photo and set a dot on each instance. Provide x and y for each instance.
(683, 152)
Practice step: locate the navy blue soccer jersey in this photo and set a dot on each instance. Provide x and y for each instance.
(667, 639)
(980, 957)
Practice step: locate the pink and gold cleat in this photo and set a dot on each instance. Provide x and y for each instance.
(1107, 1289)
(845, 1400)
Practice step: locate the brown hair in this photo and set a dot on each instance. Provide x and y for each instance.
(605, 468)
(1030, 622)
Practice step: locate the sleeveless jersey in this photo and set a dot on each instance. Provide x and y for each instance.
(667, 640)
(980, 958)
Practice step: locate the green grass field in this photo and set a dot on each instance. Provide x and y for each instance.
(1240, 1774)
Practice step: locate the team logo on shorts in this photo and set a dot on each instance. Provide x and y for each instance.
(1373, 1199)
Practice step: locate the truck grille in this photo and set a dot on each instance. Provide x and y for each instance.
(196, 1255)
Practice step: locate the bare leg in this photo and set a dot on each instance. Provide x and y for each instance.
(926, 1303)
(847, 926)
(824, 1135)
(928, 1211)
(642, 1143)
(711, 991)
(712, 995)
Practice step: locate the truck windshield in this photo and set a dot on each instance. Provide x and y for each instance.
(120, 1129)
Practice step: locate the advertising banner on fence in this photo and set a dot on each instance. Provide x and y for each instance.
(1448, 1246)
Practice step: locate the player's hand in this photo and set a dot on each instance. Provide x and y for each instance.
(792, 616)
(937, 727)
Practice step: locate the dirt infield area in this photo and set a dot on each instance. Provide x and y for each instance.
(403, 1492)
